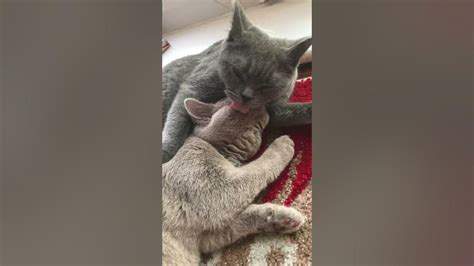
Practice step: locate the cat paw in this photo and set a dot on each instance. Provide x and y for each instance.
(308, 112)
(166, 157)
(286, 146)
(282, 219)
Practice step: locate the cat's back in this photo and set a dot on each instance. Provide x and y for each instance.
(189, 181)
(189, 69)
(180, 69)
(196, 157)
(192, 170)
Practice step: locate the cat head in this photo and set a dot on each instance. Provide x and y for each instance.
(223, 126)
(258, 69)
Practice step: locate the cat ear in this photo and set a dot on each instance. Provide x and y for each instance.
(240, 22)
(199, 112)
(296, 51)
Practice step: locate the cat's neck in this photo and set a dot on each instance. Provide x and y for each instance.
(241, 150)
(229, 156)
(233, 158)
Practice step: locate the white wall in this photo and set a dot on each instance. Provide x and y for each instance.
(291, 19)
(178, 14)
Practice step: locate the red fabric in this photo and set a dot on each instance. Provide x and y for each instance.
(301, 135)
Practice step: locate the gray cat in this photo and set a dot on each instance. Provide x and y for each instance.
(250, 67)
(207, 196)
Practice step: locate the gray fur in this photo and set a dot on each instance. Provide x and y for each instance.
(249, 67)
(207, 198)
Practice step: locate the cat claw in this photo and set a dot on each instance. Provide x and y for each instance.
(288, 226)
(284, 220)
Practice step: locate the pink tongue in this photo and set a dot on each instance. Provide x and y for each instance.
(239, 107)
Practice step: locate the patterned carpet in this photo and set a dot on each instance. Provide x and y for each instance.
(292, 188)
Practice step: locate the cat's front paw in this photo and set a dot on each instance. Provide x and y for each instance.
(285, 146)
(308, 112)
(166, 156)
(282, 219)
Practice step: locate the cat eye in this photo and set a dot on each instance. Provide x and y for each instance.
(233, 95)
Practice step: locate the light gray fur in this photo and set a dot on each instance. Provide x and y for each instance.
(207, 197)
(249, 67)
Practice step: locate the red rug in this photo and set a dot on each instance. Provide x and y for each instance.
(301, 135)
(292, 188)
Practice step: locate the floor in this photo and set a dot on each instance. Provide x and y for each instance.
(290, 18)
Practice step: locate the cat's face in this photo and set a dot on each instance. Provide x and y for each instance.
(221, 125)
(258, 69)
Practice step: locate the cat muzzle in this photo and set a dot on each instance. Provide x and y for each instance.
(243, 108)
(237, 102)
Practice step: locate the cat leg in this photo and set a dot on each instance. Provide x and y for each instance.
(177, 127)
(290, 114)
(242, 184)
(247, 181)
(256, 218)
(232, 189)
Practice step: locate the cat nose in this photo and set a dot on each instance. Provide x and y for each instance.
(245, 99)
(246, 95)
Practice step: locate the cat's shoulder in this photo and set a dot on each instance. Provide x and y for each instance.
(197, 146)
(199, 158)
(198, 153)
